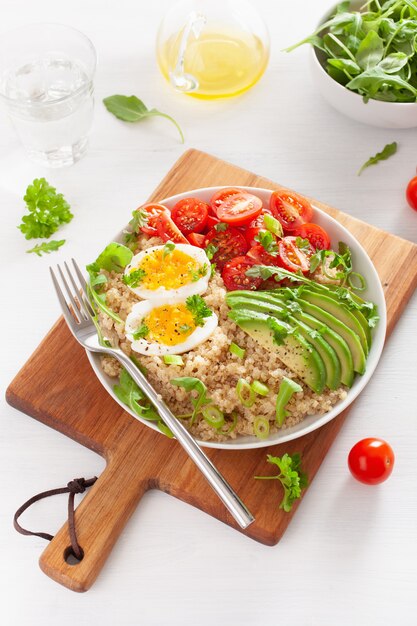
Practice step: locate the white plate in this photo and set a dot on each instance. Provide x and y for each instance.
(361, 263)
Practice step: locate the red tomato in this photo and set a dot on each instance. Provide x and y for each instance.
(262, 257)
(411, 193)
(291, 257)
(153, 211)
(371, 461)
(254, 227)
(168, 231)
(190, 215)
(239, 208)
(290, 209)
(221, 196)
(229, 243)
(316, 235)
(212, 221)
(196, 239)
(234, 274)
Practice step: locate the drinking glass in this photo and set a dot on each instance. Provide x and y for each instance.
(46, 87)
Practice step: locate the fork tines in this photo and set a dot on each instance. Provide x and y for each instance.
(73, 297)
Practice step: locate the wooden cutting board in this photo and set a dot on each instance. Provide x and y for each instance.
(58, 387)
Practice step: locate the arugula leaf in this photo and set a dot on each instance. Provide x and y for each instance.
(268, 241)
(168, 248)
(386, 153)
(47, 210)
(221, 227)
(290, 476)
(193, 384)
(134, 278)
(139, 219)
(114, 258)
(198, 308)
(47, 247)
(202, 271)
(140, 332)
(131, 109)
(210, 251)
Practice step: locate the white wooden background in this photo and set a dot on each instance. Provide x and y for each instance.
(350, 554)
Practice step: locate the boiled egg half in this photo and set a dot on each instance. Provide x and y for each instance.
(156, 329)
(172, 271)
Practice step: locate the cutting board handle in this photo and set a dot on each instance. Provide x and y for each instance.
(99, 520)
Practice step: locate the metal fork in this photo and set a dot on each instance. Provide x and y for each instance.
(78, 313)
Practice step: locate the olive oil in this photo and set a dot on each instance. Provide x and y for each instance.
(218, 63)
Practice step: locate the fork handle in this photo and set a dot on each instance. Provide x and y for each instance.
(222, 488)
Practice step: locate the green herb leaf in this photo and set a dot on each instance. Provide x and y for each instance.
(191, 384)
(140, 332)
(134, 278)
(290, 476)
(114, 258)
(221, 227)
(202, 271)
(386, 153)
(128, 392)
(268, 241)
(198, 308)
(139, 219)
(168, 248)
(46, 247)
(211, 250)
(47, 210)
(184, 328)
(131, 109)
(370, 51)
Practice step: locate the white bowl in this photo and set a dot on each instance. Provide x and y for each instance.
(361, 262)
(373, 112)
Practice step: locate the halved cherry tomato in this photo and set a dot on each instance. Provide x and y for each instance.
(239, 208)
(190, 215)
(261, 256)
(153, 212)
(371, 461)
(229, 243)
(234, 274)
(196, 239)
(212, 220)
(316, 235)
(290, 209)
(291, 257)
(222, 195)
(411, 193)
(254, 227)
(168, 231)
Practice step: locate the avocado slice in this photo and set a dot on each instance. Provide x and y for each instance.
(294, 351)
(331, 293)
(266, 304)
(336, 308)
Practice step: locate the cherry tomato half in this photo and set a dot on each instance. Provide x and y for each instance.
(239, 208)
(290, 209)
(371, 461)
(316, 235)
(153, 212)
(411, 193)
(234, 274)
(262, 257)
(291, 257)
(196, 239)
(229, 243)
(254, 227)
(190, 215)
(168, 231)
(222, 195)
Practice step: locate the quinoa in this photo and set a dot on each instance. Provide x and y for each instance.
(214, 365)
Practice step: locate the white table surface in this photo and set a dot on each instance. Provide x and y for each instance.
(349, 555)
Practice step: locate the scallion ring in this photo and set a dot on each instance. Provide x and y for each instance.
(173, 359)
(362, 282)
(236, 350)
(245, 393)
(261, 427)
(213, 416)
(259, 388)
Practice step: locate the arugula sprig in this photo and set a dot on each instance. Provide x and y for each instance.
(196, 385)
(198, 308)
(140, 332)
(134, 278)
(268, 241)
(389, 150)
(47, 210)
(290, 476)
(46, 247)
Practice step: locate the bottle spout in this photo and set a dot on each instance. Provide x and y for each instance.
(180, 79)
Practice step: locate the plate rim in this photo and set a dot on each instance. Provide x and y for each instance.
(251, 442)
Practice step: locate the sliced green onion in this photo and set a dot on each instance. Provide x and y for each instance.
(173, 359)
(232, 425)
(213, 416)
(286, 390)
(245, 393)
(261, 427)
(236, 350)
(260, 388)
(362, 282)
(273, 225)
(164, 429)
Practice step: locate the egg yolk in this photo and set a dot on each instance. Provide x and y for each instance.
(173, 271)
(169, 324)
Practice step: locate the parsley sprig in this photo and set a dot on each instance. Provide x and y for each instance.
(134, 278)
(47, 210)
(198, 308)
(290, 476)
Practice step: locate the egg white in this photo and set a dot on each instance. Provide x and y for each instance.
(181, 293)
(150, 348)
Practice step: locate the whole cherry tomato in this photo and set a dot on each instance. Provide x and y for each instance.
(371, 461)
(411, 193)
